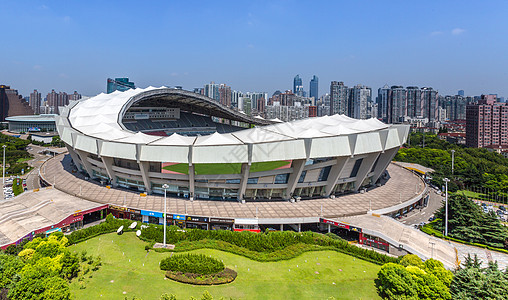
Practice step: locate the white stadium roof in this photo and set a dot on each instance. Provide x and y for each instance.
(94, 125)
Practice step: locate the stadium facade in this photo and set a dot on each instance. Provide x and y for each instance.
(144, 138)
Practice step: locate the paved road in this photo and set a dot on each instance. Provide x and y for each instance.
(32, 178)
(418, 216)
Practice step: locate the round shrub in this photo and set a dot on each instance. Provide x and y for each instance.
(192, 263)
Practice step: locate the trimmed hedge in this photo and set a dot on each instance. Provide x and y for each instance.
(192, 263)
(110, 225)
(429, 229)
(272, 246)
(225, 276)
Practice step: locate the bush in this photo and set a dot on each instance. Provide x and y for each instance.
(225, 276)
(192, 263)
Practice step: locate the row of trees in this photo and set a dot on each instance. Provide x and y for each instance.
(473, 167)
(468, 222)
(414, 279)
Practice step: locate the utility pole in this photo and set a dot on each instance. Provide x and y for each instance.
(3, 176)
(453, 159)
(446, 180)
(165, 187)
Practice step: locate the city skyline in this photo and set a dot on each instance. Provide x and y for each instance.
(245, 46)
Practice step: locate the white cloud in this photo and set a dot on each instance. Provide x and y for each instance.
(457, 31)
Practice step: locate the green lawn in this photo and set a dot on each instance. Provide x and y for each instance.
(17, 186)
(202, 169)
(127, 267)
(471, 194)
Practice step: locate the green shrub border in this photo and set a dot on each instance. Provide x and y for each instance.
(223, 277)
(287, 253)
(429, 229)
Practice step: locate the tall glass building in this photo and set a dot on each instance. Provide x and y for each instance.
(314, 90)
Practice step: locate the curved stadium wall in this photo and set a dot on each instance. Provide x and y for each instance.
(315, 157)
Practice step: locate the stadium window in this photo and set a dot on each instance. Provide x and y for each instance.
(281, 178)
(356, 167)
(252, 180)
(234, 181)
(302, 176)
(323, 175)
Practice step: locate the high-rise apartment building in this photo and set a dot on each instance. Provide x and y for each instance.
(487, 123)
(119, 84)
(298, 86)
(74, 96)
(225, 95)
(35, 102)
(339, 98)
(361, 97)
(314, 88)
(212, 91)
(398, 104)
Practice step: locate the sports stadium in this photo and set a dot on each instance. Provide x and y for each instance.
(141, 139)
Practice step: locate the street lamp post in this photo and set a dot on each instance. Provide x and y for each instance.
(453, 159)
(446, 180)
(165, 187)
(3, 175)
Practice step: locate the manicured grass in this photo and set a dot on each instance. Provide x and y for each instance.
(470, 194)
(202, 169)
(289, 279)
(20, 160)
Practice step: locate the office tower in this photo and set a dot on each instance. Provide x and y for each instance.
(35, 102)
(361, 96)
(212, 91)
(225, 95)
(460, 93)
(382, 102)
(298, 86)
(486, 123)
(339, 96)
(12, 104)
(314, 88)
(119, 84)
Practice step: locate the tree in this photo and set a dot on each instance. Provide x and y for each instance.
(395, 282)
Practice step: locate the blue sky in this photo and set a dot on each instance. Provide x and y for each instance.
(254, 45)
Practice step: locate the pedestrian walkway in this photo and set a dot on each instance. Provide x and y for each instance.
(484, 255)
(394, 192)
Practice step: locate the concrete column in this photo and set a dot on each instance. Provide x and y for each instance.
(74, 156)
(108, 164)
(243, 180)
(88, 167)
(281, 227)
(299, 227)
(365, 167)
(334, 174)
(294, 176)
(144, 166)
(383, 162)
(329, 228)
(191, 182)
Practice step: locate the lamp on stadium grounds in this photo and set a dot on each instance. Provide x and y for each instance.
(446, 180)
(453, 159)
(3, 175)
(165, 187)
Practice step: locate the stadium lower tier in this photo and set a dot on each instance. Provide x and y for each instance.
(275, 180)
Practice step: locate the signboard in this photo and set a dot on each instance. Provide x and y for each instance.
(221, 220)
(121, 208)
(196, 219)
(179, 217)
(134, 211)
(341, 225)
(151, 213)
